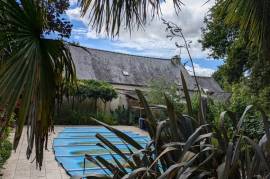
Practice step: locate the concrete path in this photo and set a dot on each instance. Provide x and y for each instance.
(18, 167)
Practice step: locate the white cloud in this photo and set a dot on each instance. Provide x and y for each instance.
(152, 39)
(73, 2)
(94, 35)
(122, 51)
(81, 31)
(74, 14)
(200, 71)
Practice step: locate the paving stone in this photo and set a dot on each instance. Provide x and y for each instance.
(53, 174)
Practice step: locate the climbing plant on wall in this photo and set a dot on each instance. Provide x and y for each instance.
(93, 89)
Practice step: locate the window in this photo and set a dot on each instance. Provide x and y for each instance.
(125, 73)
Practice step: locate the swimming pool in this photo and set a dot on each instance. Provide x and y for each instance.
(73, 143)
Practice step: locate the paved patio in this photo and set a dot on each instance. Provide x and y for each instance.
(18, 167)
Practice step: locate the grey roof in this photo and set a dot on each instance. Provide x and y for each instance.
(125, 69)
(118, 68)
(221, 96)
(210, 84)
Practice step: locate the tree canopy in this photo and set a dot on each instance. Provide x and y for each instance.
(96, 90)
(55, 10)
(253, 19)
(244, 61)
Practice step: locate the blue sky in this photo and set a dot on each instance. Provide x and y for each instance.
(151, 41)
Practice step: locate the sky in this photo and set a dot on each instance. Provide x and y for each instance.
(151, 40)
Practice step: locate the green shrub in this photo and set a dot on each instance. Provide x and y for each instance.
(242, 97)
(160, 87)
(187, 147)
(123, 116)
(203, 144)
(94, 89)
(5, 144)
(69, 116)
(80, 112)
(106, 117)
(5, 151)
(264, 99)
(214, 108)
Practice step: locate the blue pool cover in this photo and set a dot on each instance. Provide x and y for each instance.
(73, 143)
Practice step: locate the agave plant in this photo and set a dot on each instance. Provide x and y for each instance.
(185, 147)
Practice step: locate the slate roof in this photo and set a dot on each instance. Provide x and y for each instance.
(125, 69)
(209, 84)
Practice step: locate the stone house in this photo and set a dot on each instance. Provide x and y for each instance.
(129, 72)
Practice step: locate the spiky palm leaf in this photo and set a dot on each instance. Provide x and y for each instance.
(32, 71)
(112, 15)
(254, 19)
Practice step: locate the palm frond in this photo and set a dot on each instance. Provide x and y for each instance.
(112, 15)
(32, 73)
(254, 18)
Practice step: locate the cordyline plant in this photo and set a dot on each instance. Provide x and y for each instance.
(185, 147)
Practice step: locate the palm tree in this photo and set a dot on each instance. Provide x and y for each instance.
(253, 17)
(33, 67)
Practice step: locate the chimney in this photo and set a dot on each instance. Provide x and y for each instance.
(176, 60)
